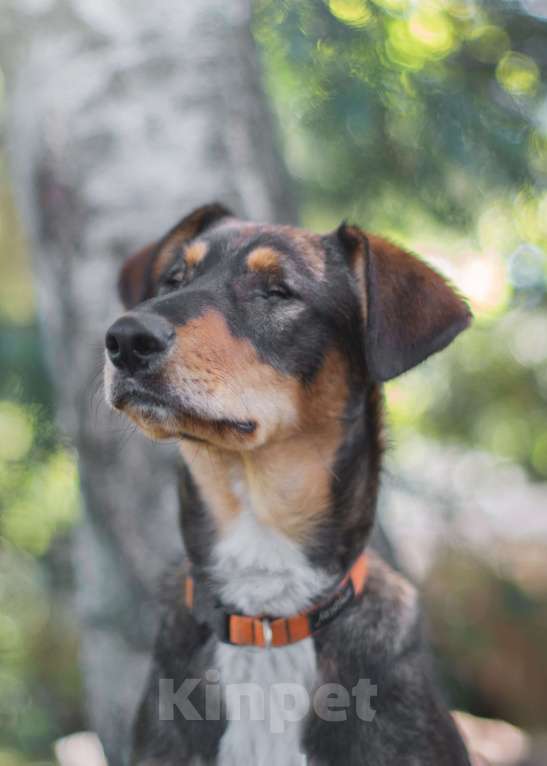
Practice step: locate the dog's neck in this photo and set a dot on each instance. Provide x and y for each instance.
(283, 521)
(285, 485)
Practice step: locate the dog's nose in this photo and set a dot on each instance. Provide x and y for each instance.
(136, 342)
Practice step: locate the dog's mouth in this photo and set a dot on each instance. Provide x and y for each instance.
(183, 420)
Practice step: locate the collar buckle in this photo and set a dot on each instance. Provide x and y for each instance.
(267, 632)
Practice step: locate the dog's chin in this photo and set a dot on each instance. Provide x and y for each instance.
(161, 419)
(155, 420)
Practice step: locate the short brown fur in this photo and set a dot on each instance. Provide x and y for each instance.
(286, 481)
(264, 259)
(195, 253)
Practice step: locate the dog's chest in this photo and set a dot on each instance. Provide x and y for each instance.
(268, 692)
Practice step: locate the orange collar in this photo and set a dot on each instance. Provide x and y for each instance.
(242, 630)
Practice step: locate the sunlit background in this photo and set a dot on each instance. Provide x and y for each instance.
(425, 121)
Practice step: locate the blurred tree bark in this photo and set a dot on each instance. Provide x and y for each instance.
(123, 115)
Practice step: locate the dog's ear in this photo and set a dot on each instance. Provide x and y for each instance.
(135, 279)
(409, 310)
(139, 272)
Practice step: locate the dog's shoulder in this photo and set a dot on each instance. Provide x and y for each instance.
(384, 624)
(377, 657)
(389, 611)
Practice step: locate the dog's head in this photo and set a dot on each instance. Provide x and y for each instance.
(238, 334)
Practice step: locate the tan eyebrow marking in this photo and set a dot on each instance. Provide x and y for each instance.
(196, 253)
(264, 259)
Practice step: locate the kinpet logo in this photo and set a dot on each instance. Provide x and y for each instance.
(279, 704)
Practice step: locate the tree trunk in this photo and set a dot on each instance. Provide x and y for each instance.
(124, 115)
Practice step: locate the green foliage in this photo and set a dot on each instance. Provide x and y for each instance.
(40, 695)
(39, 682)
(489, 391)
(390, 108)
(39, 497)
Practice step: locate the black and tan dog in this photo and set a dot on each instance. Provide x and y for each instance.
(262, 350)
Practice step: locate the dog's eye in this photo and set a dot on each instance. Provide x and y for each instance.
(279, 290)
(172, 280)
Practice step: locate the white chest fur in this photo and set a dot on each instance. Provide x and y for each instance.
(261, 571)
(267, 694)
(267, 691)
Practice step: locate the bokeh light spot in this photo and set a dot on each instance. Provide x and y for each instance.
(47, 504)
(402, 48)
(17, 431)
(354, 13)
(483, 280)
(518, 74)
(434, 31)
(526, 267)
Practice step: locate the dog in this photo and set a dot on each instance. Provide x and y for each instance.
(262, 350)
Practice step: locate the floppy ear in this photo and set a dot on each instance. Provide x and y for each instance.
(134, 281)
(409, 310)
(138, 274)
